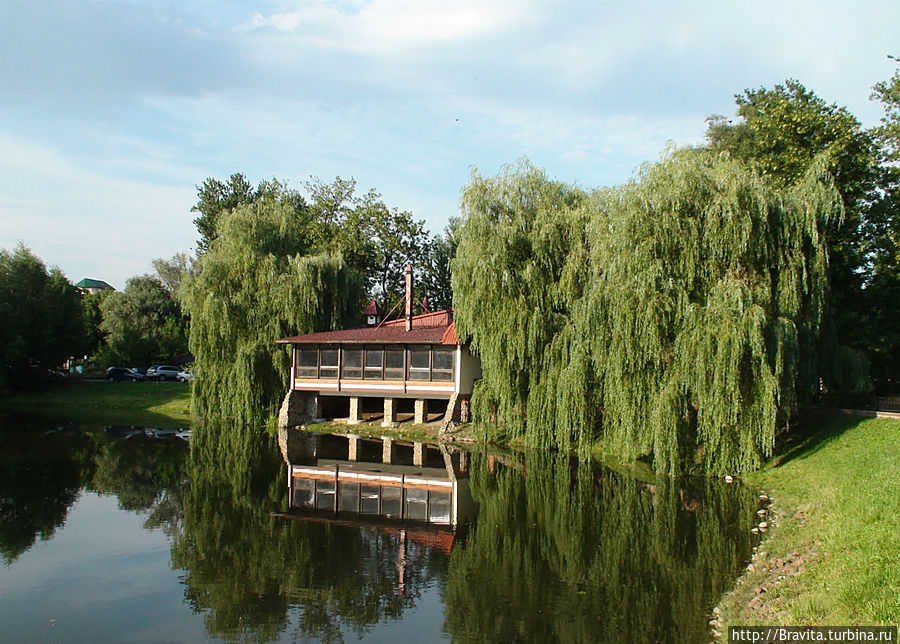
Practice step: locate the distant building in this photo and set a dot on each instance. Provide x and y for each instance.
(88, 286)
(414, 366)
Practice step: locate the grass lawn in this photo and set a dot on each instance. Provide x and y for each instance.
(153, 404)
(833, 555)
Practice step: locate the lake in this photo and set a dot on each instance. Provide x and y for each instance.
(117, 535)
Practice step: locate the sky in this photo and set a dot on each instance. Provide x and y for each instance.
(112, 112)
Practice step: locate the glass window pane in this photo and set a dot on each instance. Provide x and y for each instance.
(419, 374)
(325, 495)
(443, 359)
(439, 508)
(393, 363)
(329, 357)
(374, 358)
(416, 504)
(330, 372)
(393, 358)
(369, 497)
(307, 357)
(418, 358)
(390, 502)
(349, 501)
(442, 375)
(304, 493)
(352, 363)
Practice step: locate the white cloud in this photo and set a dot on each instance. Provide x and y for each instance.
(391, 26)
(89, 223)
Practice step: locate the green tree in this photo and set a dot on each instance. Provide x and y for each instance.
(781, 133)
(261, 278)
(170, 272)
(883, 289)
(143, 324)
(436, 278)
(93, 319)
(216, 197)
(376, 240)
(41, 322)
(677, 317)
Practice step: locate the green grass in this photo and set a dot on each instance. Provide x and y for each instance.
(833, 555)
(163, 404)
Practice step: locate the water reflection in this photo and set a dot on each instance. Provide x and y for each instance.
(344, 536)
(563, 553)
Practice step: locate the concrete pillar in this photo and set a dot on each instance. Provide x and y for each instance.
(354, 444)
(419, 454)
(390, 412)
(354, 411)
(387, 450)
(421, 414)
(314, 405)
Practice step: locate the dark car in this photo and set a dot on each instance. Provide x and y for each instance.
(163, 372)
(123, 374)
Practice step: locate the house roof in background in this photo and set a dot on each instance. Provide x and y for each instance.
(87, 282)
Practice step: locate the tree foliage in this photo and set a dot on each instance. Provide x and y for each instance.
(782, 132)
(437, 274)
(676, 317)
(143, 324)
(261, 278)
(41, 320)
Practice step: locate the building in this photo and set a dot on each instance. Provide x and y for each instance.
(88, 286)
(413, 364)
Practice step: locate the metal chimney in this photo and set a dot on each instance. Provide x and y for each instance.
(409, 289)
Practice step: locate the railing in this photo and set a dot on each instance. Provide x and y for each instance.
(867, 402)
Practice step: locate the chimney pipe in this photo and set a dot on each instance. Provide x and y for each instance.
(409, 288)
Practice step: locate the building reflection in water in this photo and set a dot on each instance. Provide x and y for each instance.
(418, 491)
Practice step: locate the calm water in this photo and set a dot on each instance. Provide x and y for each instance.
(105, 538)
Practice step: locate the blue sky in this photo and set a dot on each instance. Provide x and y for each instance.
(112, 112)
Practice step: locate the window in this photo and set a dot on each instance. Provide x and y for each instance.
(307, 363)
(391, 502)
(349, 501)
(416, 504)
(352, 363)
(439, 508)
(325, 494)
(374, 363)
(393, 364)
(419, 364)
(442, 364)
(328, 367)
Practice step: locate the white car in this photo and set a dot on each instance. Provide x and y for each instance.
(185, 376)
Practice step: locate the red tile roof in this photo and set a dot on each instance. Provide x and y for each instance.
(373, 309)
(428, 328)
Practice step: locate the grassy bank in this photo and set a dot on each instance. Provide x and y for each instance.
(163, 404)
(833, 554)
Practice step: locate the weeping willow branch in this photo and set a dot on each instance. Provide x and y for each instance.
(678, 316)
(259, 280)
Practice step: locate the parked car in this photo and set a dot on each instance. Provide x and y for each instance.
(162, 372)
(185, 376)
(123, 374)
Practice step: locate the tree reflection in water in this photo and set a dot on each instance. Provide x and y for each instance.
(560, 551)
(588, 554)
(248, 569)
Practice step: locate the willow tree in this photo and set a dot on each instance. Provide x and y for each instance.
(260, 279)
(676, 317)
